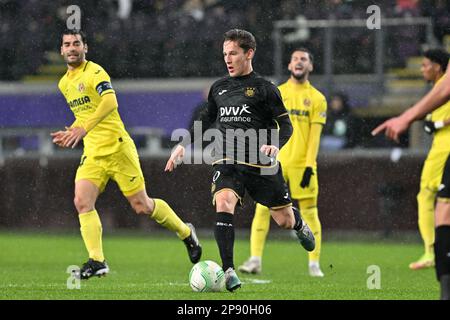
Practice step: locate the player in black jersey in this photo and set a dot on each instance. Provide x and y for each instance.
(246, 110)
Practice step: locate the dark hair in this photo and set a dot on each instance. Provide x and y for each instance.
(74, 32)
(244, 38)
(438, 56)
(303, 49)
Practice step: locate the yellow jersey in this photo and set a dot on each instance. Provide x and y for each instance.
(83, 89)
(441, 140)
(305, 105)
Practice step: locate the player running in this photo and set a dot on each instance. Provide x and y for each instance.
(242, 103)
(307, 109)
(433, 68)
(109, 153)
(439, 95)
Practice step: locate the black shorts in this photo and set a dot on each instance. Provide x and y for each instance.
(444, 188)
(268, 190)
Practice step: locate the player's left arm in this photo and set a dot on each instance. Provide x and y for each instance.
(317, 121)
(281, 117)
(75, 134)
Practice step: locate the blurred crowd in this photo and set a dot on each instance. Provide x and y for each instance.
(182, 38)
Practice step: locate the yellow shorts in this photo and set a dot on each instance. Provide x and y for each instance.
(122, 167)
(433, 169)
(293, 177)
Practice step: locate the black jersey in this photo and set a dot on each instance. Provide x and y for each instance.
(247, 112)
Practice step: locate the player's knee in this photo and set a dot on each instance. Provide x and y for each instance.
(425, 195)
(285, 223)
(82, 204)
(138, 207)
(225, 202)
(419, 196)
(224, 206)
(284, 219)
(142, 206)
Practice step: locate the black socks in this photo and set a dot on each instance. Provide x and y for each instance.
(442, 256)
(224, 234)
(298, 221)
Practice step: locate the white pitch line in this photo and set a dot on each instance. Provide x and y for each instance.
(255, 281)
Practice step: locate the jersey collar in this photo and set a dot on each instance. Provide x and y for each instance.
(304, 85)
(78, 69)
(251, 74)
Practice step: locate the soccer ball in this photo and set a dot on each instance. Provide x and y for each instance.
(207, 276)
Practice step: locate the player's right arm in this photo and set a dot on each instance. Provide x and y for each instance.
(101, 81)
(207, 117)
(438, 96)
(58, 136)
(78, 130)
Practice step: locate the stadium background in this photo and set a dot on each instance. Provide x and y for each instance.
(162, 55)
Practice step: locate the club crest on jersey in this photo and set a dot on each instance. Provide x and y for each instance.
(249, 92)
(81, 87)
(307, 102)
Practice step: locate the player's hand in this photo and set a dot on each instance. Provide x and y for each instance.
(73, 137)
(431, 127)
(58, 137)
(175, 158)
(392, 127)
(307, 174)
(269, 150)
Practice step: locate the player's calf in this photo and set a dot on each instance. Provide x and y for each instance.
(142, 206)
(284, 218)
(289, 218)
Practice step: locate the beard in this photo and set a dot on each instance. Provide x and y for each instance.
(300, 77)
(75, 62)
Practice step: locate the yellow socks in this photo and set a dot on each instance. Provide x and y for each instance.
(425, 202)
(260, 229)
(311, 216)
(165, 216)
(91, 227)
(91, 231)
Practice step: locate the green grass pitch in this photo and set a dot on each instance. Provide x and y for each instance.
(33, 266)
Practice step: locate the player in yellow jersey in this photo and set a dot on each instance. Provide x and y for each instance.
(109, 153)
(392, 128)
(307, 110)
(433, 68)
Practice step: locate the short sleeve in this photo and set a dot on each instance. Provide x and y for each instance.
(320, 110)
